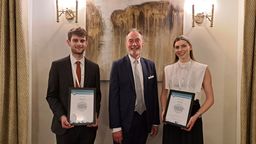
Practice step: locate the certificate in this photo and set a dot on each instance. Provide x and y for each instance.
(178, 109)
(81, 106)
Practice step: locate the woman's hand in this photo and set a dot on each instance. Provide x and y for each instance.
(192, 121)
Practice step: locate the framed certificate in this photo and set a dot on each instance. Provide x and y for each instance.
(178, 109)
(81, 106)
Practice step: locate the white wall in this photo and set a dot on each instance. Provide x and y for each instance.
(218, 47)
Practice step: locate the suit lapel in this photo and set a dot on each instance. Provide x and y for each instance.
(130, 73)
(144, 71)
(68, 71)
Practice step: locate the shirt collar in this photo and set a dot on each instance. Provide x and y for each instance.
(73, 59)
(184, 65)
(132, 60)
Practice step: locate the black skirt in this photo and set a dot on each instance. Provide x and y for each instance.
(175, 135)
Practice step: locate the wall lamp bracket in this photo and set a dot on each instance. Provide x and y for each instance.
(69, 14)
(199, 17)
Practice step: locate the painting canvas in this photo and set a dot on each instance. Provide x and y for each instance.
(108, 22)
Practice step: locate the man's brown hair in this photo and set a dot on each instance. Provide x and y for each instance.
(81, 32)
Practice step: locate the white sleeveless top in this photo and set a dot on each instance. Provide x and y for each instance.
(185, 77)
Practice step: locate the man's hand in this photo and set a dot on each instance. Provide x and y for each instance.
(64, 122)
(154, 131)
(117, 137)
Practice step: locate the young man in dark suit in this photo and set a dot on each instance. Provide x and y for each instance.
(133, 96)
(63, 76)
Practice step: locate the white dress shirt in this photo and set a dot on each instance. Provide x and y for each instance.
(82, 65)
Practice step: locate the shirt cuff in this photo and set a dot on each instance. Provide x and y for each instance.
(116, 129)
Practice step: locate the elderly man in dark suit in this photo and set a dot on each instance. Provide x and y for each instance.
(62, 76)
(133, 96)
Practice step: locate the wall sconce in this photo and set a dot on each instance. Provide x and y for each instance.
(199, 17)
(69, 13)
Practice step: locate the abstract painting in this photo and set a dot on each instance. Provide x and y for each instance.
(108, 22)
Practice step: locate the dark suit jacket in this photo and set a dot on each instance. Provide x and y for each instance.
(122, 95)
(60, 80)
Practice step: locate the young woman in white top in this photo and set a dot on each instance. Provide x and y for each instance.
(186, 74)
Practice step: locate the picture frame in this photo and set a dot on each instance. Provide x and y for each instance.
(178, 109)
(82, 106)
